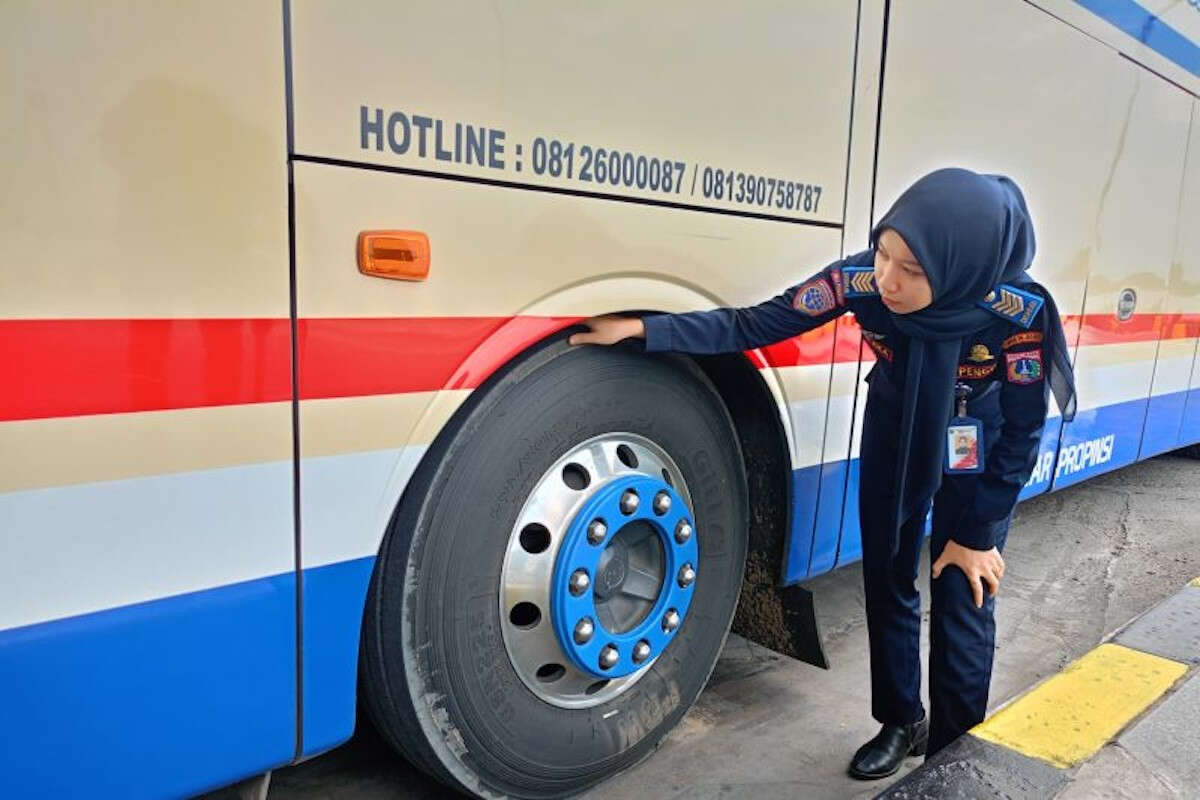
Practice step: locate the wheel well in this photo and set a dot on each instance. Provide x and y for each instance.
(765, 453)
(781, 618)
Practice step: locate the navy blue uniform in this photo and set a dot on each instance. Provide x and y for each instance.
(1002, 364)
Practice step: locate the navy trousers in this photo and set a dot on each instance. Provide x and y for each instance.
(962, 637)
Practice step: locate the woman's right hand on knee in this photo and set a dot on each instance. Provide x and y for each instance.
(609, 329)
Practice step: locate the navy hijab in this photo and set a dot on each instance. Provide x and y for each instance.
(970, 232)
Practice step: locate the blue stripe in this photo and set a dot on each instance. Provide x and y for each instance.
(1189, 428)
(1122, 421)
(334, 598)
(1163, 419)
(805, 485)
(161, 699)
(829, 520)
(1148, 29)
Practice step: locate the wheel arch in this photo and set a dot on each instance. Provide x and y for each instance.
(769, 613)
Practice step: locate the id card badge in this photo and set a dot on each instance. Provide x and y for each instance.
(964, 446)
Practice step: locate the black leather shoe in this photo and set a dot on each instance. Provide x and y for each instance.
(882, 755)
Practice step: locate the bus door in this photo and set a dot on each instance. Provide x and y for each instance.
(1126, 310)
(1173, 416)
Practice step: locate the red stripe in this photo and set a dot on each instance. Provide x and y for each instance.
(63, 368)
(1107, 329)
(353, 357)
(60, 368)
(839, 342)
(1091, 329)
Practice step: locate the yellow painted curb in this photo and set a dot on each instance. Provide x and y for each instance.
(1073, 714)
(1195, 582)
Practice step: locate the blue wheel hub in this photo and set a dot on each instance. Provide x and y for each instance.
(624, 576)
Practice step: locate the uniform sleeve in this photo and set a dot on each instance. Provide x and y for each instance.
(1024, 396)
(731, 330)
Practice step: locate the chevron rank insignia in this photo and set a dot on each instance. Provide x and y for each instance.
(1015, 305)
(859, 281)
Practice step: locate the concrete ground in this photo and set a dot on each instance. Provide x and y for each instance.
(1081, 562)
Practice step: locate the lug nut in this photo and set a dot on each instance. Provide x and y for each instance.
(579, 582)
(641, 651)
(686, 576)
(670, 620)
(584, 630)
(629, 502)
(596, 532)
(609, 657)
(683, 532)
(662, 503)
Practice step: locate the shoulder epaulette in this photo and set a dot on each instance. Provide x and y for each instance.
(860, 281)
(1015, 305)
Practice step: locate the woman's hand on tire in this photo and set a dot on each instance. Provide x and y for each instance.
(609, 329)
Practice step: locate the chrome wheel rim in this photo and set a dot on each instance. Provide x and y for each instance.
(595, 582)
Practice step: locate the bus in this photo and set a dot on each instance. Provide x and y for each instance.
(289, 425)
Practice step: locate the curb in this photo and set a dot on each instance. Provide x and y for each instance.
(1033, 746)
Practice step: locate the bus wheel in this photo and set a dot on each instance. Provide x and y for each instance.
(559, 578)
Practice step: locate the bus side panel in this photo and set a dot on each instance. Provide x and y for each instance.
(147, 585)
(1185, 285)
(484, 96)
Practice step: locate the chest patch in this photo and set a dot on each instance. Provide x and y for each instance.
(980, 354)
(1024, 337)
(1024, 367)
(976, 372)
(814, 298)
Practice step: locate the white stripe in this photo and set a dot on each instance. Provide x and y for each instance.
(808, 421)
(75, 549)
(347, 501)
(1174, 367)
(1110, 384)
(806, 388)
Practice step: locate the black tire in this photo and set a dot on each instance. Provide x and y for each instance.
(437, 678)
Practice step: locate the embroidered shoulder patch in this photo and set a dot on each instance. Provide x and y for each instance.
(1024, 337)
(814, 298)
(835, 277)
(1024, 367)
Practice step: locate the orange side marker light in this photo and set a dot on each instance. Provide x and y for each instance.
(399, 255)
